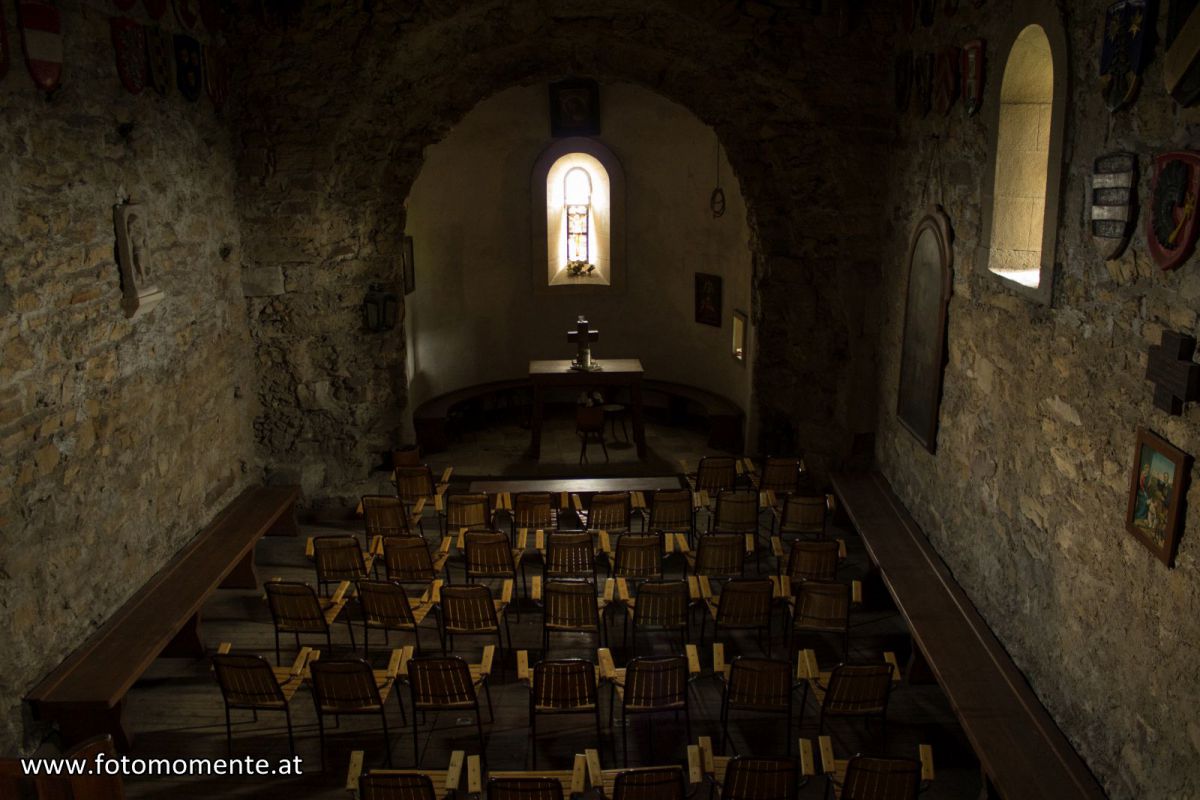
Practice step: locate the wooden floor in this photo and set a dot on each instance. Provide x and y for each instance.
(177, 710)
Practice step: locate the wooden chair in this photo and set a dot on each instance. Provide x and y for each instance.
(471, 611)
(348, 686)
(673, 511)
(864, 777)
(638, 557)
(649, 783)
(589, 425)
(515, 783)
(296, 609)
(387, 607)
(758, 778)
(714, 474)
(470, 511)
(560, 686)
(780, 475)
(340, 557)
(659, 606)
(648, 685)
(384, 515)
(416, 489)
(407, 559)
(804, 515)
(744, 604)
(489, 554)
(812, 561)
(609, 511)
(758, 685)
(570, 606)
(823, 607)
(737, 512)
(720, 556)
(248, 682)
(531, 788)
(448, 683)
(569, 555)
(849, 690)
(533, 511)
(395, 784)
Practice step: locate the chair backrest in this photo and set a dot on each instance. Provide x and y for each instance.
(749, 778)
(468, 608)
(344, 685)
(822, 604)
(524, 788)
(294, 607)
(858, 689)
(441, 681)
(671, 510)
(721, 555)
(656, 682)
(780, 474)
(396, 786)
(813, 561)
(489, 553)
(407, 558)
(467, 511)
(716, 473)
(338, 557)
(413, 483)
(759, 683)
(247, 680)
(652, 783)
(804, 513)
(533, 510)
(563, 684)
(639, 556)
(609, 511)
(745, 603)
(869, 778)
(661, 604)
(385, 603)
(384, 515)
(570, 554)
(737, 512)
(571, 605)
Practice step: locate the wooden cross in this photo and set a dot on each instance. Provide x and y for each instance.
(583, 336)
(1175, 376)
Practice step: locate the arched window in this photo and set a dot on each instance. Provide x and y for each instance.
(1021, 210)
(578, 221)
(577, 205)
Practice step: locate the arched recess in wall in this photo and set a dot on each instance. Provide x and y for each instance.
(1024, 174)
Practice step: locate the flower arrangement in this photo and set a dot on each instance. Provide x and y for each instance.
(577, 269)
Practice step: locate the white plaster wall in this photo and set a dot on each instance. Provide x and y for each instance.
(474, 316)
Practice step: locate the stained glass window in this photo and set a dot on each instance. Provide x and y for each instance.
(577, 194)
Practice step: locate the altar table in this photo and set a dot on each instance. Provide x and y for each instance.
(613, 372)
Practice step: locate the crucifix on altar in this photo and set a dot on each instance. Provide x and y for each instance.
(583, 336)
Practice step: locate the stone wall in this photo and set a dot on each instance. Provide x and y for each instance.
(1026, 496)
(118, 440)
(340, 105)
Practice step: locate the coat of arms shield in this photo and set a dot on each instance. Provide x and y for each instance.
(1114, 202)
(1128, 35)
(972, 75)
(158, 59)
(1171, 219)
(189, 71)
(41, 36)
(129, 45)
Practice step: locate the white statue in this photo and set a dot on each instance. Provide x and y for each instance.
(133, 256)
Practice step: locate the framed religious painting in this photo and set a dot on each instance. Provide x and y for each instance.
(1156, 494)
(575, 108)
(410, 275)
(708, 299)
(923, 353)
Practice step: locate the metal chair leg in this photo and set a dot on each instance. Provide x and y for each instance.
(287, 713)
(387, 742)
(229, 732)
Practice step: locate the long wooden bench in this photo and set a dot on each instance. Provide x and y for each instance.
(723, 415)
(85, 695)
(431, 417)
(1023, 754)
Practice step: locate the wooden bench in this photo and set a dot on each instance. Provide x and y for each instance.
(85, 695)
(723, 415)
(1022, 752)
(430, 419)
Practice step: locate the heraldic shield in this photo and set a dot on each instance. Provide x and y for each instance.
(1114, 202)
(129, 45)
(1171, 221)
(1128, 36)
(972, 75)
(158, 59)
(189, 75)
(41, 36)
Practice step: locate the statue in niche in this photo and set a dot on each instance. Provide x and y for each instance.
(133, 257)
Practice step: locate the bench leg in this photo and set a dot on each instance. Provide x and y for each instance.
(242, 576)
(76, 725)
(187, 643)
(286, 524)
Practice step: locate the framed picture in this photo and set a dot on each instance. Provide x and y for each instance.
(739, 336)
(923, 354)
(708, 299)
(1156, 494)
(410, 275)
(575, 108)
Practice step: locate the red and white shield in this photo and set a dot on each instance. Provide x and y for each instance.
(4, 57)
(1171, 222)
(41, 36)
(129, 45)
